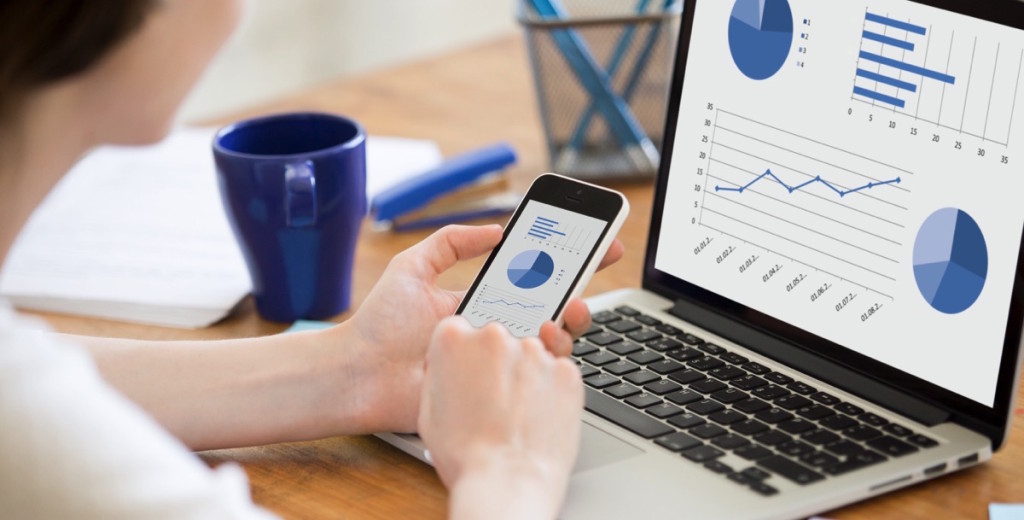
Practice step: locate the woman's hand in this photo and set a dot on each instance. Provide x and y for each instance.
(392, 327)
(501, 417)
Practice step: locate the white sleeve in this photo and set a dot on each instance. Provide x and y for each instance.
(72, 447)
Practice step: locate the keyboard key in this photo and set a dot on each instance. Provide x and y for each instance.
(627, 311)
(587, 371)
(686, 420)
(600, 381)
(849, 409)
(873, 420)
(708, 386)
(891, 446)
(801, 388)
(815, 412)
(773, 415)
(664, 366)
(604, 317)
(684, 397)
(770, 392)
(730, 441)
(837, 422)
(642, 377)
(844, 448)
(662, 387)
(678, 441)
(819, 459)
(748, 382)
(663, 410)
(621, 367)
(580, 349)
(703, 453)
(896, 430)
(624, 348)
(603, 339)
(749, 427)
(632, 420)
(795, 448)
(622, 391)
(753, 452)
(734, 358)
(643, 400)
(647, 320)
(820, 437)
(727, 417)
(710, 348)
(686, 376)
(705, 363)
(718, 467)
(753, 473)
(690, 339)
(756, 368)
(727, 372)
(645, 357)
(592, 330)
(623, 326)
(790, 470)
(763, 489)
(664, 345)
(922, 441)
(779, 379)
(752, 405)
(796, 426)
(705, 407)
(792, 402)
(685, 354)
(707, 431)
(729, 395)
(826, 399)
(858, 461)
(861, 432)
(600, 358)
(667, 329)
(643, 336)
(772, 438)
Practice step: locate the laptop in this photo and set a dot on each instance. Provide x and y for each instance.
(832, 295)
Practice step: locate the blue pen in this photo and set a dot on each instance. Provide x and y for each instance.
(628, 132)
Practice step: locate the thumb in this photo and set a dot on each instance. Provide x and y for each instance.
(449, 245)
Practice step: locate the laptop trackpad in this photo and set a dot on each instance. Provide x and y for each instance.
(598, 448)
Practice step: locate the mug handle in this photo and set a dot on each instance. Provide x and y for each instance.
(300, 194)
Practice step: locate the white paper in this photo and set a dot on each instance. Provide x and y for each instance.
(391, 160)
(135, 228)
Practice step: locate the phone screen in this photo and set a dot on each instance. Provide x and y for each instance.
(539, 262)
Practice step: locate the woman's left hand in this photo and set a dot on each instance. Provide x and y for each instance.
(393, 326)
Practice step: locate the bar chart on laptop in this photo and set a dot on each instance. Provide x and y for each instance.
(953, 80)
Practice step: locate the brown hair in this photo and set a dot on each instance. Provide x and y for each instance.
(44, 41)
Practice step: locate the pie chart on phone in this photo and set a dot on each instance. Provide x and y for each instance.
(530, 269)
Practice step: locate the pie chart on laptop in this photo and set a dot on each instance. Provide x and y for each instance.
(530, 269)
(950, 260)
(760, 36)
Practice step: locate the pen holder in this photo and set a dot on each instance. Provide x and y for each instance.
(602, 71)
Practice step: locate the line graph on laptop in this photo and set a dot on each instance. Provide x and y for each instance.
(801, 201)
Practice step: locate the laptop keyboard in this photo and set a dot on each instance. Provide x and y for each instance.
(702, 401)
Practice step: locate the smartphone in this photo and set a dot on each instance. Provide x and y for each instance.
(550, 248)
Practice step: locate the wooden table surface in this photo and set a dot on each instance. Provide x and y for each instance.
(465, 100)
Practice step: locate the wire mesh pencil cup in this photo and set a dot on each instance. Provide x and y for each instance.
(602, 71)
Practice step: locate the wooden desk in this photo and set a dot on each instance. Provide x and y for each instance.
(465, 100)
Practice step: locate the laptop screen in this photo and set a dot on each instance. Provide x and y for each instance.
(853, 169)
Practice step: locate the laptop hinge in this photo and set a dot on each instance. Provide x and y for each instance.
(803, 361)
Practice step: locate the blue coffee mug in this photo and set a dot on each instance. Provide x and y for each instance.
(294, 188)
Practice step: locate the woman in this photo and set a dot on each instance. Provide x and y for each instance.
(100, 428)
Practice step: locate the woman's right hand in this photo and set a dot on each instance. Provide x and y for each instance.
(501, 418)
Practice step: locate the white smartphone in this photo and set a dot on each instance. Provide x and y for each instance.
(551, 247)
